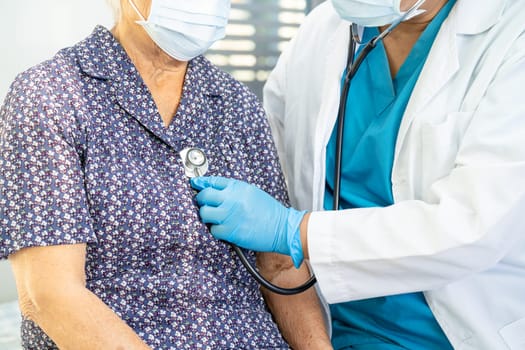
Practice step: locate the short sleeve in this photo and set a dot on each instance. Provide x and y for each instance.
(42, 194)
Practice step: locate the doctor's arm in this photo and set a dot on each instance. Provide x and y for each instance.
(52, 293)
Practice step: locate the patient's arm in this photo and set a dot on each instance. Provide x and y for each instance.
(299, 317)
(52, 293)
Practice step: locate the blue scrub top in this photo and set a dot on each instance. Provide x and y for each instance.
(371, 127)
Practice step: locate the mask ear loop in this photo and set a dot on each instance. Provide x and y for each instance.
(409, 14)
(142, 19)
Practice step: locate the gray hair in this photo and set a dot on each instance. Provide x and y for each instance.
(115, 6)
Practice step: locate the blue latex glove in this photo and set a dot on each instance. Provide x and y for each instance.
(248, 217)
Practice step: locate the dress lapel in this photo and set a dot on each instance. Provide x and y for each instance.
(134, 97)
(101, 56)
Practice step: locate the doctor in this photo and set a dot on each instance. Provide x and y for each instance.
(428, 249)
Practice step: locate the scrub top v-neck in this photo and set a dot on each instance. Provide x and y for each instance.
(371, 127)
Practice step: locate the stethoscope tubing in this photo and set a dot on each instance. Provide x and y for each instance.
(351, 69)
(267, 284)
(352, 65)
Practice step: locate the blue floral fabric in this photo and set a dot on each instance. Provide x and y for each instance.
(85, 158)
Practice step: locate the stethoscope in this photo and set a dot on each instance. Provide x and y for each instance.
(352, 65)
(196, 163)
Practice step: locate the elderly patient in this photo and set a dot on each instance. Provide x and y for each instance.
(97, 216)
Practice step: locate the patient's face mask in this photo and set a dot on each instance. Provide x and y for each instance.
(185, 29)
(369, 13)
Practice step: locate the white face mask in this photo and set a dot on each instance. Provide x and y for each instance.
(185, 29)
(369, 13)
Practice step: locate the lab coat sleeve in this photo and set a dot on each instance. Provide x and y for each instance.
(417, 246)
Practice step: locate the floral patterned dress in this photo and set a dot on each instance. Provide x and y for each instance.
(85, 158)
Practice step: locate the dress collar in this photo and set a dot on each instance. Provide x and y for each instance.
(101, 56)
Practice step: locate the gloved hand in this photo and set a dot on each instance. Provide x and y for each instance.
(247, 216)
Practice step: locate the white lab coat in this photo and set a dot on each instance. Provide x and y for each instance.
(457, 228)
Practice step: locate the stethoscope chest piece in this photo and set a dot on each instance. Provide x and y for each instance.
(195, 161)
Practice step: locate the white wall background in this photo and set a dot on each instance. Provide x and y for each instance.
(30, 32)
(33, 30)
